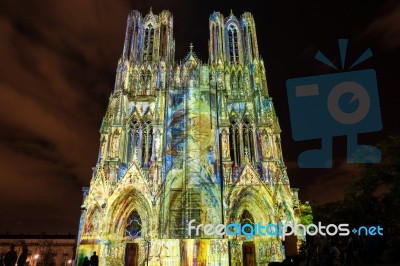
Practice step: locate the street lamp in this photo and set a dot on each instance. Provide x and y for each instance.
(36, 257)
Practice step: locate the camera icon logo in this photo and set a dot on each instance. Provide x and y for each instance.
(340, 104)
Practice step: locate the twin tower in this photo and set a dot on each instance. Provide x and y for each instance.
(187, 141)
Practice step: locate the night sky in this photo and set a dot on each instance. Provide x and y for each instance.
(57, 69)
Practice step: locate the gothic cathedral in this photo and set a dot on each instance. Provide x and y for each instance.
(183, 141)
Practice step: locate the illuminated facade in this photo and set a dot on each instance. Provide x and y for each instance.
(183, 141)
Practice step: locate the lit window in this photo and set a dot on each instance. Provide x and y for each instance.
(134, 225)
(148, 43)
(233, 44)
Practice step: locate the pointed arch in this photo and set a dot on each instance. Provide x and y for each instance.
(260, 203)
(134, 39)
(234, 141)
(133, 226)
(249, 138)
(148, 42)
(246, 218)
(216, 36)
(249, 36)
(233, 43)
(164, 40)
(128, 200)
(248, 40)
(140, 138)
(131, 35)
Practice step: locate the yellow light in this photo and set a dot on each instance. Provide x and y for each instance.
(36, 256)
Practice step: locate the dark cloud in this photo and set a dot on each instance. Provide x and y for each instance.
(53, 92)
(58, 60)
(386, 27)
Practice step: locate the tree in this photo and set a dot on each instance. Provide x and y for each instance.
(373, 198)
(306, 215)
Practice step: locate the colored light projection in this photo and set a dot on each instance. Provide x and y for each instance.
(186, 141)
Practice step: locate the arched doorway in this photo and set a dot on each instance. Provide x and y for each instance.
(248, 247)
(129, 224)
(133, 229)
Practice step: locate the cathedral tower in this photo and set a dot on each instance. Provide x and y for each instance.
(186, 142)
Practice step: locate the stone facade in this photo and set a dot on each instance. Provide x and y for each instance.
(184, 141)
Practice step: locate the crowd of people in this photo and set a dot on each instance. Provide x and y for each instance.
(322, 250)
(354, 250)
(11, 258)
(94, 260)
(317, 250)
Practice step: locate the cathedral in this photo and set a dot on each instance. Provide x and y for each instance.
(187, 142)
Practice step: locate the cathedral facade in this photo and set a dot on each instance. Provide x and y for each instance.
(187, 141)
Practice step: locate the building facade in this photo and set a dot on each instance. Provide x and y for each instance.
(183, 141)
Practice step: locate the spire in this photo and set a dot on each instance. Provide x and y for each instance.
(191, 57)
(231, 15)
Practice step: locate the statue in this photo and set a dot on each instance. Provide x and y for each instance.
(225, 146)
(115, 144)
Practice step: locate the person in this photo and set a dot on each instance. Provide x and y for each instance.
(11, 257)
(291, 253)
(349, 256)
(322, 249)
(24, 255)
(94, 260)
(356, 246)
(334, 254)
(86, 261)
